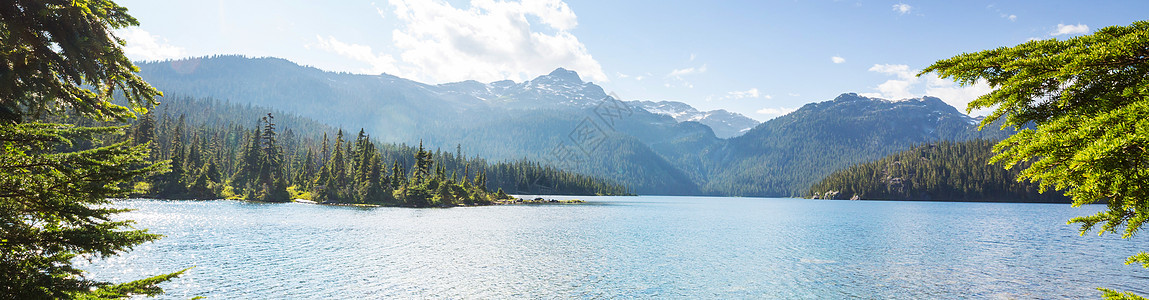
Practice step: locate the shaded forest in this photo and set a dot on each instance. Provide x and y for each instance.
(943, 171)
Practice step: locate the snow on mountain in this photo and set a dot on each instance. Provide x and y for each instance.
(560, 88)
(725, 124)
(564, 88)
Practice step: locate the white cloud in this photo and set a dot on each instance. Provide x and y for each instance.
(837, 59)
(145, 46)
(776, 111)
(621, 75)
(902, 8)
(382, 12)
(678, 74)
(902, 71)
(692, 57)
(639, 77)
(751, 93)
(687, 71)
(1007, 16)
(955, 95)
(1063, 29)
(908, 85)
(793, 94)
(379, 63)
(488, 41)
(894, 89)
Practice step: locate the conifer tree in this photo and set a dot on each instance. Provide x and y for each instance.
(305, 171)
(1088, 99)
(173, 184)
(324, 151)
(144, 133)
(61, 57)
(249, 163)
(423, 163)
(397, 175)
(272, 184)
(332, 179)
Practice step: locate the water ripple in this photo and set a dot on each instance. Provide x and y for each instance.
(633, 247)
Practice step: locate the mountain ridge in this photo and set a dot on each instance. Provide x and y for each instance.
(725, 124)
(558, 113)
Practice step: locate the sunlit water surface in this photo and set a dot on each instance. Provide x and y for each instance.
(627, 247)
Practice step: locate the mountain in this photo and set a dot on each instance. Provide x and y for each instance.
(558, 119)
(787, 154)
(501, 120)
(724, 123)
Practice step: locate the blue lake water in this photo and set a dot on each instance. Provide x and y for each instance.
(628, 247)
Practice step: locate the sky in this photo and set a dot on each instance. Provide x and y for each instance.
(762, 59)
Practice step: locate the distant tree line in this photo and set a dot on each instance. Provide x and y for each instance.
(266, 162)
(942, 171)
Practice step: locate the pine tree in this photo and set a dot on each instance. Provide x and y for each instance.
(273, 183)
(173, 185)
(423, 163)
(250, 160)
(397, 175)
(305, 171)
(145, 132)
(201, 186)
(324, 151)
(212, 172)
(332, 180)
(60, 57)
(1082, 105)
(371, 188)
(443, 195)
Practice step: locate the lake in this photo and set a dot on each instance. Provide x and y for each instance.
(627, 247)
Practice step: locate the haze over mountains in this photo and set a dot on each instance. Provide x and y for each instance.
(724, 123)
(653, 147)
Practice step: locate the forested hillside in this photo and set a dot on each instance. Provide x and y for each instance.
(784, 156)
(216, 152)
(501, 120)
(561, 121)
(941, 171)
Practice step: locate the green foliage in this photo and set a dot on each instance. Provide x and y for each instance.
(500, 195)
(53, 198)
(356, 171)
(1115, 295)
(1089, 99)
(297, 193)
(942, 171)
(1142, 258)
(60, 56)
(146, 287)
(788, 154)
(649, 153)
